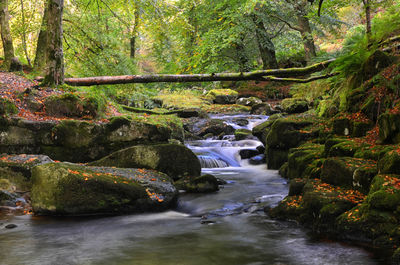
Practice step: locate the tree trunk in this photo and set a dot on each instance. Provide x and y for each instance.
(40, 57)
(135, 31)
(305, 30)
(265, 45)
(24, 34)
(308, 40)
(262, 75)
(368, 26)
(54, 53)
(6, 33)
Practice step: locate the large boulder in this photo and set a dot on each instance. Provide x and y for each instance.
(222, 96)
(389, 128)
(69, 189)
(349, 172)
(83, 141)
(73, 105)
(294, 105)
(174, 160)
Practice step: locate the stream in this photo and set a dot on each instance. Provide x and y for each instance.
(226, 227)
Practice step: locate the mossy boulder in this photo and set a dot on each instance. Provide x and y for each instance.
(69, 189)
(296, 186)
(174, 160)
(375, 63)
(344, 148)
(7, 107)
(261, 131)
(241, 134)
(389, 128)
(287, 133)
(294, 105)
(201, 184)
(261, 109)
(223, 96)
(390, 163)
(327, 108)
(215, 127)
(341, 126)
(349, 172)
(251, 101)
(316, 204)
(73, 105)
(275, 158)
(301, 157)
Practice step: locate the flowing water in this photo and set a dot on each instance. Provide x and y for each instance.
(226, 227)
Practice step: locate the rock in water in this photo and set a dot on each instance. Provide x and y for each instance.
(203, 184)
(248, 153)
(172, 159)
(70, 189)
(11, 226)
(257, 160)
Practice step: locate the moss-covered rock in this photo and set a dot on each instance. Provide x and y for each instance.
(215, 127)
(389, 128)
(261, 109)
(223, 96)
(294, 105)
(251, 101)
(261, 131)
(341, 126)
(344, 148)
(201, 184)
(286, 133)
(68, 189)
(296, 186)
(349, 172)
(73, 105)
(390, 163)
(327, 108)
(275, 158)
(172, 159)
(241, 134)
(7, 107)
(301, 157)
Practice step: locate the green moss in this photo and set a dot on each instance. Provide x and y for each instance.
(241, 134)
(294, 105)
(75, 105)
(390, 163)
(202, 184)
(7, 107)
(74, 133)
(66, 189)
(175, 160)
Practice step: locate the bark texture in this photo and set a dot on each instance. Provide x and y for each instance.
(40, 57)
(265, 45)
(6, 33)
(54, 53)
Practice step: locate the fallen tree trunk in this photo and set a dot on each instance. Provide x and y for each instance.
(261, 75)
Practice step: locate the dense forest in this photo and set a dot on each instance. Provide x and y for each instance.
(200, 132)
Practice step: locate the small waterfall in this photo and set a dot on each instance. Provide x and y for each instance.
(214, 153)
(211, 162)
